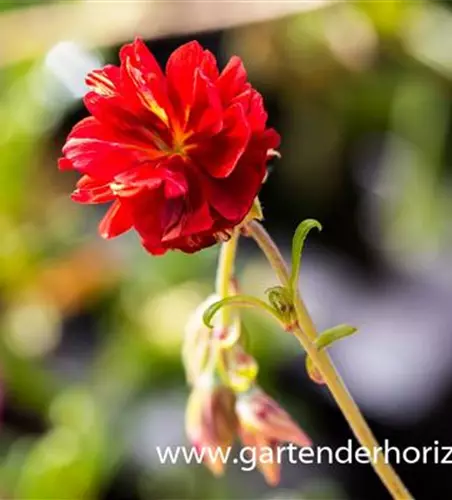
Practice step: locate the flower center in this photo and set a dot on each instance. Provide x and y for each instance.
(180, 146)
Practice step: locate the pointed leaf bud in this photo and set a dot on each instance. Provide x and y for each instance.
(211, 421)
(313, 371)
(281, 300)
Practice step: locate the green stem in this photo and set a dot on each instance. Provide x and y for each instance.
(270, 250)
(225, 272)
(306, 333)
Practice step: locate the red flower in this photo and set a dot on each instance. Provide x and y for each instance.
(182, 156)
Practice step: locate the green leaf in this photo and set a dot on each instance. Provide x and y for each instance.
(327, 337)
(297, 247)
(237, 301)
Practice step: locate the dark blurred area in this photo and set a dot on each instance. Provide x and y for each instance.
(91, 331)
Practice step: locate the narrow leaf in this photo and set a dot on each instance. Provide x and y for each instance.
(327, 337)
(297, 247)
(237, 301)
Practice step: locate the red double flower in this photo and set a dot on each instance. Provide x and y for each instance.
(181, 154)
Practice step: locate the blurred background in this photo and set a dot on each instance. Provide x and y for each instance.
(90, 332)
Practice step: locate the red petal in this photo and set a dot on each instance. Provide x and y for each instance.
(233, 196)
(95, 150)
(105, 101)
(269, 139)
(119, 113)
(91, 128)
(90, 191)
(198, 218)
(253, 106)
(116, 221)
(102, 159)
(180, 72)
(142, 57)
(172, 222)
(86, 182)
(104, 81)
(232, 80)
(112, 102)
(64, 164)
(209, 65)
(143, 176)
(150, 213)
(175, 184)
(194, 243)
(257, 116)
(206, 114)
(219, 156)
(169, 172)
(143, 79)
(152, 248)
(191, 224)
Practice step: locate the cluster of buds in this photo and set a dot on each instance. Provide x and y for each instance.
(226, 402)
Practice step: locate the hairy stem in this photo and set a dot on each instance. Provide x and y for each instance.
(306, 333)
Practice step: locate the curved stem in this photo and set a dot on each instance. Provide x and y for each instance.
(270, 250)
(305, 332)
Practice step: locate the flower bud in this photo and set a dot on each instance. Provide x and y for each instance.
(265, 454)
(259, 412)
(263, 424)
(227, 336)
(211, 421)
(281, 300)
(242, 368)
(197, 341)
